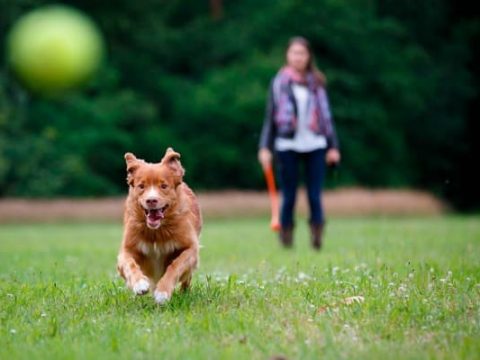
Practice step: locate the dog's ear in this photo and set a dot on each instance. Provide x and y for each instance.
(172, 160)
(132, 165)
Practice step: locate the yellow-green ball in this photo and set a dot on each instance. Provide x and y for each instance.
(54, 48)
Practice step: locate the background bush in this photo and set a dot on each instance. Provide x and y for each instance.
(403, 79)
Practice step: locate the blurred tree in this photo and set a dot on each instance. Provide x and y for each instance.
(448, 32)
(194, 75)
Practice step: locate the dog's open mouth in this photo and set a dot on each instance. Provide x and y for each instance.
(155, 216)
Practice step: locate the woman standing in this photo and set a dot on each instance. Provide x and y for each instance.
(299, 129)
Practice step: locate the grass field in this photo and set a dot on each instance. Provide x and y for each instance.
(419, 279)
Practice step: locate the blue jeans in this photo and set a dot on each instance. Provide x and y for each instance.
(288, 170)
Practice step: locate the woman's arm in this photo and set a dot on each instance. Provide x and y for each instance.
(333, 153)
(332, 139)
(268, 130)
(267, 137)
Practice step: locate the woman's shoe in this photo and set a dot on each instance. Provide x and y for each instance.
(286, 236)
(316, 231)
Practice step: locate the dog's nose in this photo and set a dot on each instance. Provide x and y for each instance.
(152, 201)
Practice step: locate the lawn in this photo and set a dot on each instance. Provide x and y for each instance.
(417, 282)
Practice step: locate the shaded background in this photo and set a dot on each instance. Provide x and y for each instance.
(403, 82)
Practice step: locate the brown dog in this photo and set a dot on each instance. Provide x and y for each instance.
(162, 224)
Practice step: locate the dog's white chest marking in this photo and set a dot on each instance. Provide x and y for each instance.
(169, 247)
(150, 250)
(156, 250)
(157, 254)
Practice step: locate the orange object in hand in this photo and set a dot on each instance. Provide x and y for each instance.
(272, 192)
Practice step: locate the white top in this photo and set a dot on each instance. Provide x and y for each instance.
(305, 140)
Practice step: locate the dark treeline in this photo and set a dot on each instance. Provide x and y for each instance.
(402, 78)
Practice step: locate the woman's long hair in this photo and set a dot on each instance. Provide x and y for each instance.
(311, 66)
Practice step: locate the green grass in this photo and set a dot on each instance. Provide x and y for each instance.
(61, 298)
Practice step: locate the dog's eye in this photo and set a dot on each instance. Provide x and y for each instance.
(164, 186)
(141, 186)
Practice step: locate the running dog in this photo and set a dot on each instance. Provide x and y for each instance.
(162, 224)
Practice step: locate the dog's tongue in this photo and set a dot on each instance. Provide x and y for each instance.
(155, 214)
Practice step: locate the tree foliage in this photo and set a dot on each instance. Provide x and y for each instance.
(182, 74)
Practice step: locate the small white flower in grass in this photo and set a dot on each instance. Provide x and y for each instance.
(391, 284)
(449, 274)
(303, 276)
(402, 288)
(13, 331)
(43, 314)
(432, 270)
(334, 270)
(148, 330)
(354, 299)
(11, 296)
(360, 266)
(443, 280)
(410, 276)
(468, 279)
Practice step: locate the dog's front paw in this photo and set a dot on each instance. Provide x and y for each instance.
(161, 297)
(141, 287)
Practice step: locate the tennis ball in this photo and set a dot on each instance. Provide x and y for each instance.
(54, 48)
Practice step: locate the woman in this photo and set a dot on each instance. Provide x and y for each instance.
(299, 129)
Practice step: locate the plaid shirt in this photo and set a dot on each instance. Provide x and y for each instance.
(281, 112)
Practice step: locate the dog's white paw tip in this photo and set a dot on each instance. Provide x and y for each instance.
(161, 297)
(141, 287)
